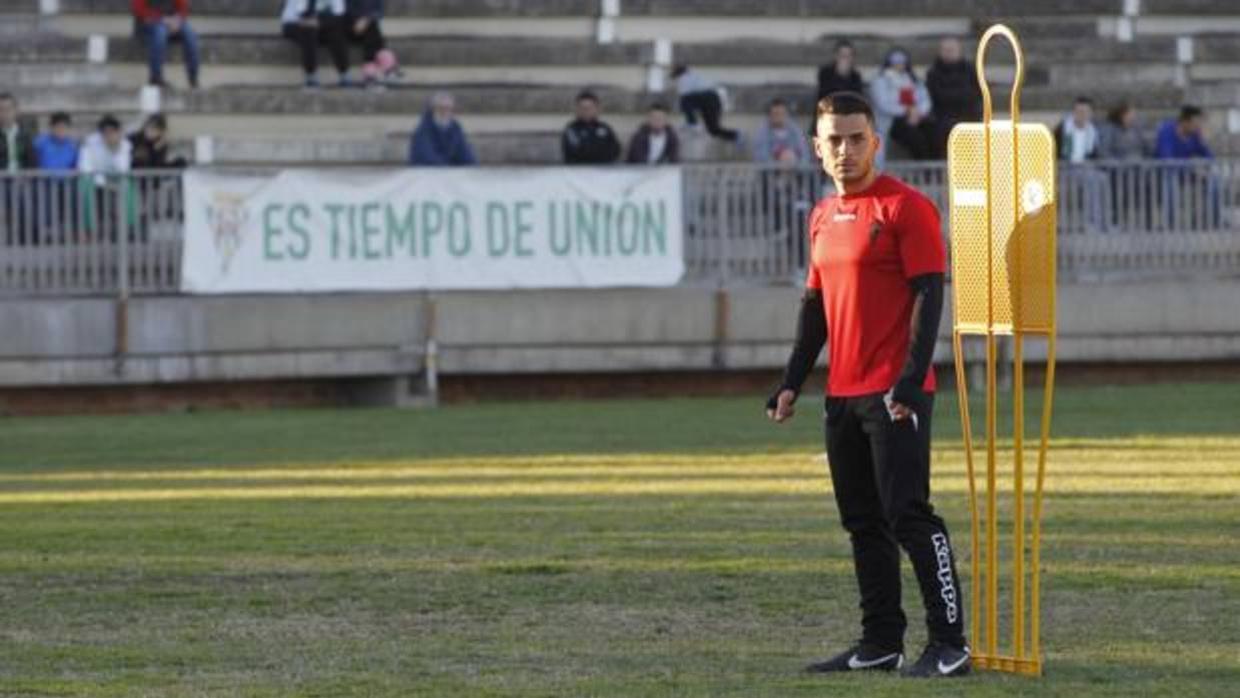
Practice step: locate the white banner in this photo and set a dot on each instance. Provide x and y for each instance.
(475, 228)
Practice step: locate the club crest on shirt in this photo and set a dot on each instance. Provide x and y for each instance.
(875, 228)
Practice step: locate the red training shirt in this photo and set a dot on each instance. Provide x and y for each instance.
(865, 247)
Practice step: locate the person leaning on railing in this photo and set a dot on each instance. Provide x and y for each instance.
(16, 153)
(1183, 138)
(105, 158)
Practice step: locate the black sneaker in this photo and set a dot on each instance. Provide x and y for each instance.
(940, 659)
(860, 657)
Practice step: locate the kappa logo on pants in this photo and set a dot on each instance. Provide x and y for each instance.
(947, 587)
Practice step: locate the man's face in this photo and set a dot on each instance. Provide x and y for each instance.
(844, 58)
(60, 131)
(112, 137)
(8, 113)
(587, 109)
(1195, 125)
(777, 116)
(154, 133)
(657, 120)
(950, 51)
(847, 145)
(1082, 113)
(442, 112)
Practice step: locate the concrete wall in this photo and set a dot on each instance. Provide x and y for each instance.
(50, 342)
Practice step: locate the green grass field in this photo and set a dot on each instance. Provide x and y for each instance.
(626, 548)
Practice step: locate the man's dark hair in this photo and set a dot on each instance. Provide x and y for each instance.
(844, 103)
(679, 69)
(108, 121)
(1083, 100)
(7, 97)
(1188, 112)
(843, 43)
(61, 117)
(587, 95)
(156, 120)
(777, 102)
(657, 106)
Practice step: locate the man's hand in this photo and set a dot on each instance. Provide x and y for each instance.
(900, 411)
(359, 27)
(782, 410)
(310, 22)
(173, 22)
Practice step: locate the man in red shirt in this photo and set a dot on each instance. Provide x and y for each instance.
(158, 21)
(874, 294)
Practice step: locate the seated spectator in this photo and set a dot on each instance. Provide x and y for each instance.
(1120, 137)
(655, 143)
(106, 151)
(840, 75)
(365, 19)
(16, 143)
(308, 23)
(902, 107)
(776, 140)
(439, 138)
(587, 140)
(952, 84)
(57, 149)
(1076, 137)
(149, 146)
(700, 96)
(1181, 138)
(157, 22)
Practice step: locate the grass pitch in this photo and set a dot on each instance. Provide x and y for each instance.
(627, 548)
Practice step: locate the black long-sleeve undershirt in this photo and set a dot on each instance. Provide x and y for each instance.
(810, 338)
(923, 333)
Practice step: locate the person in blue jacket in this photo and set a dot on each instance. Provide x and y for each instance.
(439, 139)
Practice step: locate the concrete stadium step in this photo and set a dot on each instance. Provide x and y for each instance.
(54, 75)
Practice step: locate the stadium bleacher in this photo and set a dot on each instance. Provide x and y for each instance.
(515, 66)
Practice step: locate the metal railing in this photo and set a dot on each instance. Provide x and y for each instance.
(71, 234)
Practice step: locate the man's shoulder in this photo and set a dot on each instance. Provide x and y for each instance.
(902, 196)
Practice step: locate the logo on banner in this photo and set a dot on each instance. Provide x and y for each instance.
(226, 216)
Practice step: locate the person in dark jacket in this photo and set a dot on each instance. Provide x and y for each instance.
(16, 143)
(150, 149)
(840, 75)
(365, 19)
(952, 82)
(587, 140)
(439, 139)
(308, 23)
(655, 143)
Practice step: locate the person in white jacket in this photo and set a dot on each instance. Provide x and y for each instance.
(902, 107)
(106, 151)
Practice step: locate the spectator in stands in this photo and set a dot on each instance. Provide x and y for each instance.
(16, 153)
(309, 23)
(106, 151)
(1076, 140)
(16, 144)
(587, 140)
(655, 143)
(1181, 138)
(157, 22)
(1120, 137)
(149, 146)
(952, 84)
(57, 149)
(439, 138)
(840, 75)
(776, 140)
(1076, 137)
(1191, 193)
(902, 107)
(365, 19)
(701, 96)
